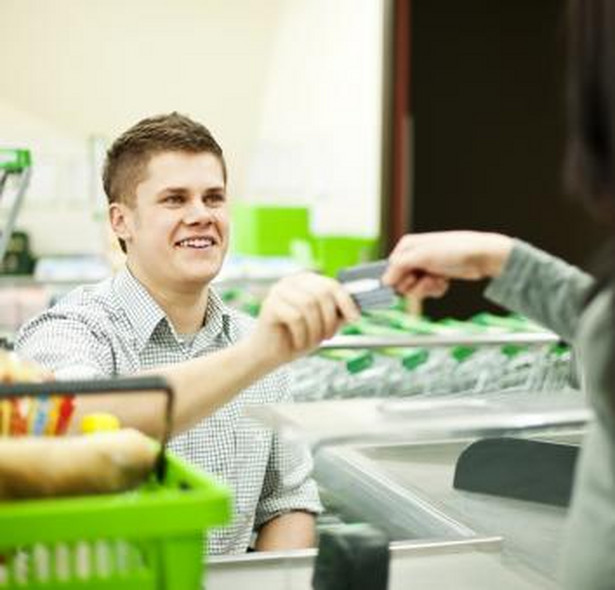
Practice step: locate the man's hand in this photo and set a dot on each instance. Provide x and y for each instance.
(299, 312)
(423, 264)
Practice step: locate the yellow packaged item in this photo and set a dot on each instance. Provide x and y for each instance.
(99, 422)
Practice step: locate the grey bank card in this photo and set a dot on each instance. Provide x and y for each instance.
(364, 283)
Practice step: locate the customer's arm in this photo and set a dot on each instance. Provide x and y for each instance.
(542, 287)
(299, 312)
(525, 279)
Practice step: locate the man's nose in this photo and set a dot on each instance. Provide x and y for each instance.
(198, 212)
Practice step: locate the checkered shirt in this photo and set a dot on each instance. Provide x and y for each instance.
(115, 328)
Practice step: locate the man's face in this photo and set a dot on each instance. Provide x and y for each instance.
(177, 230)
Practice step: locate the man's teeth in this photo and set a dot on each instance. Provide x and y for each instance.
(195, 243)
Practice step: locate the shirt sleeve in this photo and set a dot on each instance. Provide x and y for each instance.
(66, 345)
(542, 287)
(288, 485)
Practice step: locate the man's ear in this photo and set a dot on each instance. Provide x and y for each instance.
(118, 217)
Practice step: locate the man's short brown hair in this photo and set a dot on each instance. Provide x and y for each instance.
(128, 157)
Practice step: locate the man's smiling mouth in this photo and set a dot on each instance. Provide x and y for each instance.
(198, 243)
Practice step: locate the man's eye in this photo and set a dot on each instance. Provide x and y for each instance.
(215, 199)
(173, 199)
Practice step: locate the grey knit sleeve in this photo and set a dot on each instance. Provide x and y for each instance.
(543, 288)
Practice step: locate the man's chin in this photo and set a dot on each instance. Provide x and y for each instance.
(201, 277)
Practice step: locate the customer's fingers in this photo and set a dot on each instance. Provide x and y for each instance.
(430, 286)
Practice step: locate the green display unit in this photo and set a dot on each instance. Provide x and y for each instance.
(14, 160)
(17, 163)
(332, 253)
(270, 230)
(267, 230)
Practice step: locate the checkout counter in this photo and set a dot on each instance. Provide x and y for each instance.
(405, 466)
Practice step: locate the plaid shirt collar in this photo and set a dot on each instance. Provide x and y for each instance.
(145, 315)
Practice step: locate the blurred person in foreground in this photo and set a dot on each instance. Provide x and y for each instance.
(166, 182)
(579, 307)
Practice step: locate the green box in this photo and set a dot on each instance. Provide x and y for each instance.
(267, 230)
(155, 533)
(331, 253)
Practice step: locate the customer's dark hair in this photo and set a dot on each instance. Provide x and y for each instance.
(127, 159)
(590, 159)
(590, 165)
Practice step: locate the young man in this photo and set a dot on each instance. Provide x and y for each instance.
(165, 179)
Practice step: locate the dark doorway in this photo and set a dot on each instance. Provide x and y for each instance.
(487, 94)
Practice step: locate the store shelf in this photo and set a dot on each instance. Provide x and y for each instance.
(440, 340)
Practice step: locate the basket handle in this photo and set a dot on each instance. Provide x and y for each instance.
(92, 387)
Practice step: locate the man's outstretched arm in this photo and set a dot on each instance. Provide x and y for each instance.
(298, 313)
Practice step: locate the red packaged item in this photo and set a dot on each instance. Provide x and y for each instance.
(65, 412)
(18, 423)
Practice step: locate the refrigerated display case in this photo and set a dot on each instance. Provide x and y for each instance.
(394, 462)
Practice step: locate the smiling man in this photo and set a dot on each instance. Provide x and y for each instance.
(165, 179)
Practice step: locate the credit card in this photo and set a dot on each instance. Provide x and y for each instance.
(364, 283)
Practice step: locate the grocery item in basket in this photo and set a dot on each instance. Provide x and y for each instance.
(103, 462)
(49, 415)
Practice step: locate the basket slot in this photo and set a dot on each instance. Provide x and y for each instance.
(62, 563)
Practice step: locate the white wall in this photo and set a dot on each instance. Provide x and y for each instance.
(89, 67)
(97, 66)
(320, 133)
(293, 82)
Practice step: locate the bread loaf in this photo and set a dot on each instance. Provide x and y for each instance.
(104, 462)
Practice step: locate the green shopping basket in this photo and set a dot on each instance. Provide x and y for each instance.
(151, 537)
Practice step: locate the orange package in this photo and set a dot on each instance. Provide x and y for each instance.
(49, 415)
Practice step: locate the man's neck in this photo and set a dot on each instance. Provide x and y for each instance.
(184, 307)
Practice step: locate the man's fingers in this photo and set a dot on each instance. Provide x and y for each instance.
(320, 300)
(329, 316)
(327, 291)
(347, 308)
(308, 307)
(292, 319)
(322, 290)
(312, 306)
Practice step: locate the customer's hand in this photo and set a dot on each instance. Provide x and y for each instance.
(422, 265)
(299, 312)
